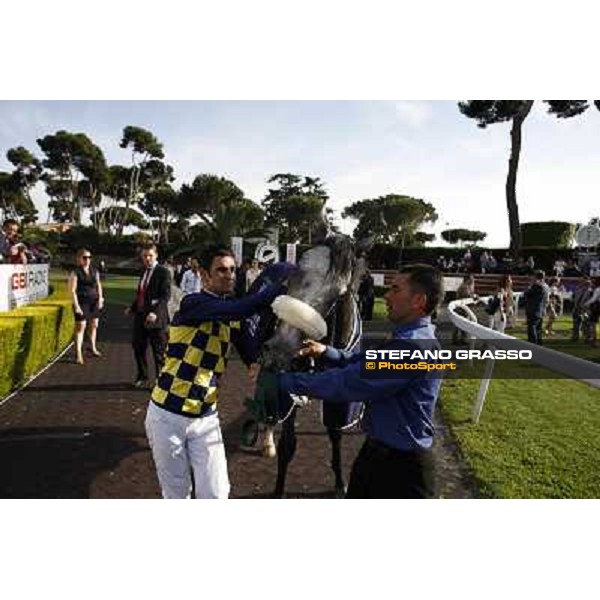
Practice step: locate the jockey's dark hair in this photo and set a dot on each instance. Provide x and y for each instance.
(10, 222)
(209, 254)
(427, 280)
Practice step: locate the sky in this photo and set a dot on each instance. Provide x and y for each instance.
(360, 149)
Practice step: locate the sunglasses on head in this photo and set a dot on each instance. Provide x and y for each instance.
(225, 270)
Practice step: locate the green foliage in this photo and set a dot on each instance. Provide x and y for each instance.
(75, 173)
(488, 112)
(455, 236)
(548, 234)
(222, 207)
(295, 206)
(394, 218)
(142, 142)
(421, 238)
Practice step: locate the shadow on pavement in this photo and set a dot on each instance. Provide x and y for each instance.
(60, 462)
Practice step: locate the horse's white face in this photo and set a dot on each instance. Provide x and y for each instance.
(316, 283)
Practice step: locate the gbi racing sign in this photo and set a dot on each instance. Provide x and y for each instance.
(22, 284)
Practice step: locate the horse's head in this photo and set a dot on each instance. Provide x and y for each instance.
(325, 273)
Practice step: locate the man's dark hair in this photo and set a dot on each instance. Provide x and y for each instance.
(207, 257)
(539, 275)
(10, 222)
(150, 246)
(427, 280)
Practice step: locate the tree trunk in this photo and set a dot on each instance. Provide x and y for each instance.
(511, 179)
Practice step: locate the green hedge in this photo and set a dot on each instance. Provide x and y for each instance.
(547, 234)
(12, 331)
(31, 336)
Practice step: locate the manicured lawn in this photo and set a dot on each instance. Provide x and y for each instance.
(120, 289)
(536, 438)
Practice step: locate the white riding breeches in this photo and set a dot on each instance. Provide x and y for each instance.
(182, 445)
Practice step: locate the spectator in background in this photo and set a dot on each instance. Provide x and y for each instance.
(592, 307)
(536, 300)
(11, 249)
(495, 309)
(191, 283)
(559, 267)
(465, 290)
(252, 273)
(178, 272)
(484, 262)
(366, 296)
(572, 270)
(492, 263)
(582, 293)
(594, 267)
(531, 263)
(88, 301)
(554, 305)
(509, 300)
(450, 266)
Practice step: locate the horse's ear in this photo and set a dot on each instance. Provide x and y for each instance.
(363, 245)
(320, 228)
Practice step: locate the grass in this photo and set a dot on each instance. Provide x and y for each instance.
(118, 289)
(536, 438)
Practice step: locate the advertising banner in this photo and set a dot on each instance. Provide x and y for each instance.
(22, 284)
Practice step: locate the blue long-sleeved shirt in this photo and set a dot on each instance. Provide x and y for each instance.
(398, 411)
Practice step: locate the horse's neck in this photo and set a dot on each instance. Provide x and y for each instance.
(344, 323)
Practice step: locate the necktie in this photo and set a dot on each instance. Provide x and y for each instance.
(142, 289)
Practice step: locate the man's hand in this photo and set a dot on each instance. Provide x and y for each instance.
(78, 311)
(128, 311)
(101, 303)
(151, 319)
(312, 349)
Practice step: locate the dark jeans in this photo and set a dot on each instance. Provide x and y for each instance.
(382, 472)
(534, 330)
(367, 308)
(158, 342)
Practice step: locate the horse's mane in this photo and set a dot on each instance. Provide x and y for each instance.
(342, 253)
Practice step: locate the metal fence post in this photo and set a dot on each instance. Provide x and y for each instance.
(483, 388)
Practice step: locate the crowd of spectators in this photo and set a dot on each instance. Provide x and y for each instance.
(486, 262)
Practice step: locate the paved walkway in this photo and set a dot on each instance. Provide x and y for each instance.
(78, 432)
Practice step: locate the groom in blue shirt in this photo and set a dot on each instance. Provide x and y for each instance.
(395, 461)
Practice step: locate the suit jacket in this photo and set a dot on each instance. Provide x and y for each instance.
(156, 298)
(536, 300)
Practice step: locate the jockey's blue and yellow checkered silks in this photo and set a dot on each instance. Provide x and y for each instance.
(196, 359)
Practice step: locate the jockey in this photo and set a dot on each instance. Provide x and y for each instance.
(182, 423)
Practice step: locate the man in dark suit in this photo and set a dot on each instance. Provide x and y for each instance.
(151, 317)
(536, 299)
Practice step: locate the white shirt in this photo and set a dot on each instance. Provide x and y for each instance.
(190, 282)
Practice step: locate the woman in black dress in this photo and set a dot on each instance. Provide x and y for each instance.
(88, 300)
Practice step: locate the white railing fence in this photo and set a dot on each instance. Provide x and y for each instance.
(558, 362)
